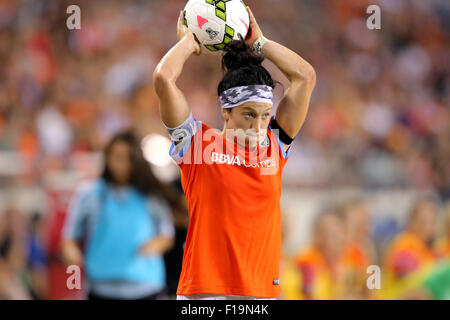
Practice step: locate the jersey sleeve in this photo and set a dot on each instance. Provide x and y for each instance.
(80, 207)
(184, 139)
(162, 215)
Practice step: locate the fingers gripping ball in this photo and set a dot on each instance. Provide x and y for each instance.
(215, 23)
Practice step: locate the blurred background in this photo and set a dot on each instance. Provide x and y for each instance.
(368, 179)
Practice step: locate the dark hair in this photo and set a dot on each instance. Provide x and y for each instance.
(242, 67)
(141, 175)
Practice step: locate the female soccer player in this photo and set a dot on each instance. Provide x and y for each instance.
(232, 179)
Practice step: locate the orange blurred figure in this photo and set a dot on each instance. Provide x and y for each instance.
(322, 264)
(410, 255)
(359, 251)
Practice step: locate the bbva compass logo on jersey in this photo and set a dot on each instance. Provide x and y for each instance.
(234, 160)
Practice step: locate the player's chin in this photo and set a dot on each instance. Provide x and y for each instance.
(252, 141)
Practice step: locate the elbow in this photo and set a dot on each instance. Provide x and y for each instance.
(310, 75)
(159, 75)
(160, 81)
(305, 74)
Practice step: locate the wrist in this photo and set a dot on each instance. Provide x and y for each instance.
(259, 43)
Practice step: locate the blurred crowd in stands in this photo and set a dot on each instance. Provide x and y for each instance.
(343, 260)
(379, 120)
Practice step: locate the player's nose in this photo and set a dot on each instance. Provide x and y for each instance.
(257, 125)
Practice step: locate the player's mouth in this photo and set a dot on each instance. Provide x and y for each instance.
(258, 137)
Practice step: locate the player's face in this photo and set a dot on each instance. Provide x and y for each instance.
(249, 122)
(119, 162)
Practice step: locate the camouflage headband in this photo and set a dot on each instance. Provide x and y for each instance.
(238, 95)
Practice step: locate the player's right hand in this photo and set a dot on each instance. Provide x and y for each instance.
(184, 32)
(254, 31)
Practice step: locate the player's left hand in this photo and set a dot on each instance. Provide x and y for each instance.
(254, 32)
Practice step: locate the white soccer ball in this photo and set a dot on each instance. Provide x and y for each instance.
(215, 23)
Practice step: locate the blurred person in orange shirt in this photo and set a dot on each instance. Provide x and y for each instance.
(441, 247)
(322, 264)
(291, 282)
(359, 251)
(310, 277)
(409, 257)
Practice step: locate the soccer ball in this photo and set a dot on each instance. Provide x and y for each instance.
(215, 23)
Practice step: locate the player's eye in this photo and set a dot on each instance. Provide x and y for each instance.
(248, 115)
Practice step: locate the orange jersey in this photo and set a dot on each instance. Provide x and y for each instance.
(355, 261)
(406, 264)
(406, 254)
(317, 277)
(324, 281)
(233, 245)
(321, 280)
(355, 257)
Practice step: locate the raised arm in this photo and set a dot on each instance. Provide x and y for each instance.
(293, 107)
(173, 106)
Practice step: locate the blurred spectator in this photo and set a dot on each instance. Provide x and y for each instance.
(410, 255)
(126, 223)
(321, 264)
(378, 117)
(173, 258)
(359, 251)
(437, 284)
(54, 132)
(335, 266)
(12, 255)
(291, 280)
(434, 285)
(37, 259)
(442, 245)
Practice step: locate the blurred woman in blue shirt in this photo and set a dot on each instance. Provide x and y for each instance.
(125, 221)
